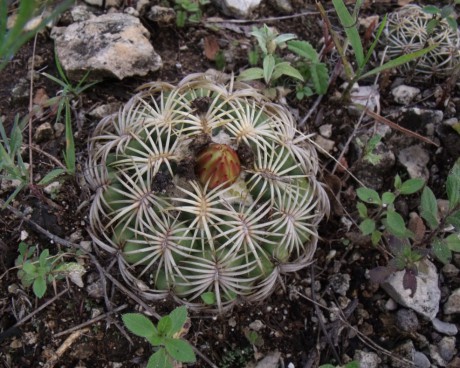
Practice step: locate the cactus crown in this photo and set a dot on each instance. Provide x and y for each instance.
(406, 32)
(204, 187)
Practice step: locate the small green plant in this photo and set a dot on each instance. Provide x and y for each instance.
(377, 212)
(444, 235)
(63, 102)
(12, 39)
(307, 66)
(238, 357)
(353, 364)
(189, 11)
(166, 336)
(12, 167)
(40, 270)
(350, 25)
(447, 12)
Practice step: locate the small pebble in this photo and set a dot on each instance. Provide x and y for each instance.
(391, 305)
(449, 270)
(257, 325)
(446, 348)
(452, 305)
(326, 130)
(407, 320)
(445, 328)
(421, 360)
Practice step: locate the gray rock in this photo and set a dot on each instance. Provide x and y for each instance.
(325, 144)
(425, 300)
(59, 128)
(340, 283)
(452, 305)
(449, 270)
(373, 173)
(105, 110)
(53, 188)
(366, 359)
(111, 45)
(444, 351)
(404, 95)
(415, 159)
(283, 6)
(407, 351)
(444, 328)
(326, 130)
(391, 305)
(237, 8)
(271, 360)
(366, 96)
(407, 320)
(81, 13)
(415, 118)
(421, 360)
(162, 15)
(21, 90)
(43, 133)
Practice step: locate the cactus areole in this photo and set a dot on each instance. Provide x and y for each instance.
(204, 187)
(217, 164)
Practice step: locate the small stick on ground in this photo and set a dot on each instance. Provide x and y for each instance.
(63, 348)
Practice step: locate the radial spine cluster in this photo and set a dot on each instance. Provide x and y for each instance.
(406, 32)
(204, 187)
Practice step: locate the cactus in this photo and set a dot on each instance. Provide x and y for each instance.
(204, 187)
(406, 32)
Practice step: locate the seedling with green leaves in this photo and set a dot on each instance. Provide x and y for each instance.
(12, 167)
(444, 235)
(189, 11)
(64, 105)
(166, 336)
(447, 12)
(307, 67)
(378, 212)
(40, 270)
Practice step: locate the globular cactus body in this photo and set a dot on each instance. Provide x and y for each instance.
(406, 32)
(204, 187)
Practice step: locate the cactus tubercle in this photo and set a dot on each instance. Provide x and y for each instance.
(217, 164)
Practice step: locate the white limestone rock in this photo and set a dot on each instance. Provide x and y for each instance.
(111, 45)
(425, 300)
(404, 95)
(237, 8)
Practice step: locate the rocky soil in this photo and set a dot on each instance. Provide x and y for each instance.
(330, 312)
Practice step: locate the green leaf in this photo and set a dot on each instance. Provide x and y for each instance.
(374, 44)
(441, 251)
(39, 286)
(376, 236)
(304, 49)
(139, 324)
(159, 360)
(431, 9)
(268, 68)
(181, 17)
(209, 298)
(388, 198)
(411, 186)
(320, 77)
(453, 185)
(251, 74)
(446, 11)
(367, 226)
(452, 22)
(454, 220)
(284, 68)
(69, 156)
(431, 25)
(164, 326)
(362, 209)
(403, 59)
(178, 318)
(353, 364)
(395, 224)
(180, 350)
(282, 38)
(429, 208)
(368, 195)
(349, 25)
(453, 242)
(397, 183)
(29, 268)
(53, 174)
(327, 366)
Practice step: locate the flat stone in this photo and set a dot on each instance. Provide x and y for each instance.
(444, 328)
(44, 133)
(326, 130)
(112, 45)
(452, 306)
(405, 350)
(325, 144)
(404, 95)
(425, 300)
